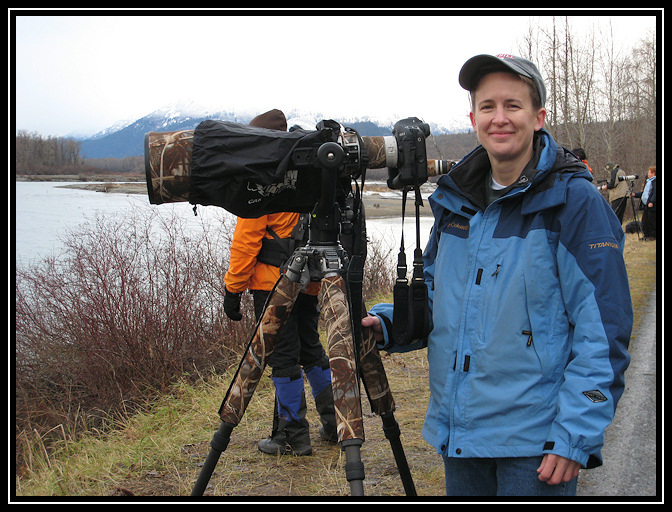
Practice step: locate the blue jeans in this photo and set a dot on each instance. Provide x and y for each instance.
(510, 476)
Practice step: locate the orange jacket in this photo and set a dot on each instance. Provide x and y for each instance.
(245, 272)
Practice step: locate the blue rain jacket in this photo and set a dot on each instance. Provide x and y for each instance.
(530, 309)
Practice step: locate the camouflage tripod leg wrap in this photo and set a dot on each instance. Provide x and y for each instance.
(342, 359)
(278, 307)
(373, 374)
(168, 165)
(382, 402)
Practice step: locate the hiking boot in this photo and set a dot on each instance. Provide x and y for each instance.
(292, 438)
(291, 432)
(324, 403)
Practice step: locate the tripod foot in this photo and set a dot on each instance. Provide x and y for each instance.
(354, 469)
(218, 444)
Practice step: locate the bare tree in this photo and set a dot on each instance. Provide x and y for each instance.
(599, 96)
(568, 63)
(640, 85)
(37, 155)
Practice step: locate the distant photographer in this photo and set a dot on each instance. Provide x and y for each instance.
(618, 188)
(259, 249)
(649, 199)
(581, 155)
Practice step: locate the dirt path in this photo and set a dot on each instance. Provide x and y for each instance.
(630, 447)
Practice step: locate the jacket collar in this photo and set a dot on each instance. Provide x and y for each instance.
(542, 180)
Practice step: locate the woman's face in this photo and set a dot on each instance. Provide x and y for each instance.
(504, 118)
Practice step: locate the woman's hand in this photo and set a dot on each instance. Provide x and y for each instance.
(373, 322)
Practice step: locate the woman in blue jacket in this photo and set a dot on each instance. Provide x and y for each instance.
(530, 303)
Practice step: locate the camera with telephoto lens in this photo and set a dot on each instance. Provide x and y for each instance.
(631, 177)
(251, 171)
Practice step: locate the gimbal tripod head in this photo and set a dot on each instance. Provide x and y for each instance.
(323, 253)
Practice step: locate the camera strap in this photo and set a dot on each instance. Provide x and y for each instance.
(411, 304)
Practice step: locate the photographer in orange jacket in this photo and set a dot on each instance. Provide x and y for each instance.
(260, 247)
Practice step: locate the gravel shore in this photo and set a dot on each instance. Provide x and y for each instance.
(377, 205)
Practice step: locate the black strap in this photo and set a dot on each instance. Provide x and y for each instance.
(400, 291)
(355, 270)
(411, 304)
(276, 251)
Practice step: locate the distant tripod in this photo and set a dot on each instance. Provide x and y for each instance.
(321, 259)
(634, 210)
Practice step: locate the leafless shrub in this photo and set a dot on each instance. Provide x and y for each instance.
(379, 271)
(131, 303)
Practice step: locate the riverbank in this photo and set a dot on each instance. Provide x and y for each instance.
(378, 201)
(110, 187)
(84, 178)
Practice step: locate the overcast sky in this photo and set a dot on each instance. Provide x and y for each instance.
(78, 75)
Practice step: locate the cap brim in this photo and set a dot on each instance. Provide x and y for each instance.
(470, 68)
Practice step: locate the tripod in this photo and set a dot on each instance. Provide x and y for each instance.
(321, 259)
(634, 209)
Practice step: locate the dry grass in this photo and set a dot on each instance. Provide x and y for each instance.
(160, 452)
(641, 263)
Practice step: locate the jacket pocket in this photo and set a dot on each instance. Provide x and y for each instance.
(504, 382)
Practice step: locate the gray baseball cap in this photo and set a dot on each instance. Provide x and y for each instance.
(471, 68)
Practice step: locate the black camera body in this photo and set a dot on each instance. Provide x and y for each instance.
(411, 302)
(411, 168)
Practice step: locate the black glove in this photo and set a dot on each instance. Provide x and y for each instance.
(232, 305)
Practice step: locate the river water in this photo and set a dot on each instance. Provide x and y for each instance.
(44, 212)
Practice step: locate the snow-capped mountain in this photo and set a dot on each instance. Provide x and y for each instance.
(127, 138)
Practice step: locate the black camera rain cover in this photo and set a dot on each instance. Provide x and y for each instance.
(249, 171)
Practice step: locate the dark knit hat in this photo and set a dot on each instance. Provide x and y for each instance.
(273, 120)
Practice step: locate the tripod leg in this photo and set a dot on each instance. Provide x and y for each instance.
(276, 311)
(344, 381)
(374, 376)
(217, 446)
(634, 214)
(382, 403)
